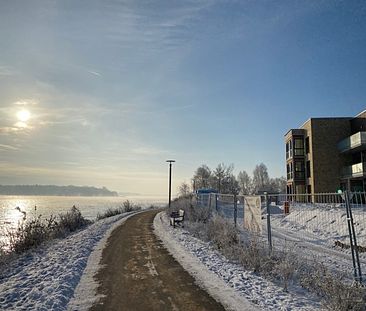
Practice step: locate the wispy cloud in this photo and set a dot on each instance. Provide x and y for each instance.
(7, 71)
(146, 150)
(8, 147)
(95, 73)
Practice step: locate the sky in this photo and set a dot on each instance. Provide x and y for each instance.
(102, 93)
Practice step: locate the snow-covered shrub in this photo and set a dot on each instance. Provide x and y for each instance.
(197, 229)
(200, 214)
(285, 267)
(110, 212)
(222, 234)
(71, 221)
(30, 234)
(128, 206)
(337, 293)
(254, 254)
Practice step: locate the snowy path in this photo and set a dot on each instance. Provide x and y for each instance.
(138, 274)
(46, 278)
(208, 264)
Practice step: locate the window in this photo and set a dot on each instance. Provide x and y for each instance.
(308, 171)
(288, 149)
(299, 170)
(307, 145)
(298, 146)
(289, 171)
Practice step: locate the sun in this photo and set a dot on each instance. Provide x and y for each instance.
(23, 115)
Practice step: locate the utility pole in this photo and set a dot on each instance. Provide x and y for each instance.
(170, 180)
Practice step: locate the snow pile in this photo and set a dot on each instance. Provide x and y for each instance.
(46, 278)
(247, 286)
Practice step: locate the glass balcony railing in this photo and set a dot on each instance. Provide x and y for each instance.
(354, 141)
(355, 170)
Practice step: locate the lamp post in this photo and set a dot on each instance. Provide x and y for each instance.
(170, 180)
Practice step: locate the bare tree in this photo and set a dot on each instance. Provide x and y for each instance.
(232, 185)
(201, 178)
(184, 189)
(278, 185)
(260, 178)
(221, 174)
(245, 183)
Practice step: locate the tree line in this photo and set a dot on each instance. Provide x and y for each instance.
(223, 180)
(53, 190)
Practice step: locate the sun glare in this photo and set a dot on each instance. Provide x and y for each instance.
(23, 115)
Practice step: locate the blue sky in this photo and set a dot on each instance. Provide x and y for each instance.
(114, 88)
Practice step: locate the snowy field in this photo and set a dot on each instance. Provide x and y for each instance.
(244, 285)
(57, 276)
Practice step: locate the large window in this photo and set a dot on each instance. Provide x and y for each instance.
(299, 170)
(299, 146)
(289, 149)
(289, 171)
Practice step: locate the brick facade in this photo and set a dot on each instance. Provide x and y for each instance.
(322, 159)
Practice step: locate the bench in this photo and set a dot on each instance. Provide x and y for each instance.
(177, 217)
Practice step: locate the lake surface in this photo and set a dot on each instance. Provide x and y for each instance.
(46, 206)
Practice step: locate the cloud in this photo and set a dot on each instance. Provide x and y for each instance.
(148, 151)
(25, 102)
(9, 130)
(8, 147)
(95, 73)
(7, 71)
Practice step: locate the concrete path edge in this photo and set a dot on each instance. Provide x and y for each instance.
(210, 282)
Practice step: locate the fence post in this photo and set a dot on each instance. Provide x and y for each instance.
(353, 240)
(216, 196)
(268, 223)
(235, 209)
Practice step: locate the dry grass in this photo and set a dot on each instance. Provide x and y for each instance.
(32, 233)
(126, 207)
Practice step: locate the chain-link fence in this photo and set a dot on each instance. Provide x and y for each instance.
(330, 227)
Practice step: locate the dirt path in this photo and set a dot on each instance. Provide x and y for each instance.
(139, 273)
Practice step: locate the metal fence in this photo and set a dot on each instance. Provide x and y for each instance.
(328, 226)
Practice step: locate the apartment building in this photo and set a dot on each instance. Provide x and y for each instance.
(327, 154)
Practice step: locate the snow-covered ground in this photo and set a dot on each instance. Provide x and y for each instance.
(59, 275)
(245, 285)
(313, 231)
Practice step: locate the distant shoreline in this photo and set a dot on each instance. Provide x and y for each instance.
(53, 190)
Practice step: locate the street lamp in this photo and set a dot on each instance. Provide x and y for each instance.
(170, 180)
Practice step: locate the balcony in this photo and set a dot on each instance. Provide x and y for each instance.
(355, 170)
(355, 142)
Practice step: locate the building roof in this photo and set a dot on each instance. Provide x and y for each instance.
(362, 112)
